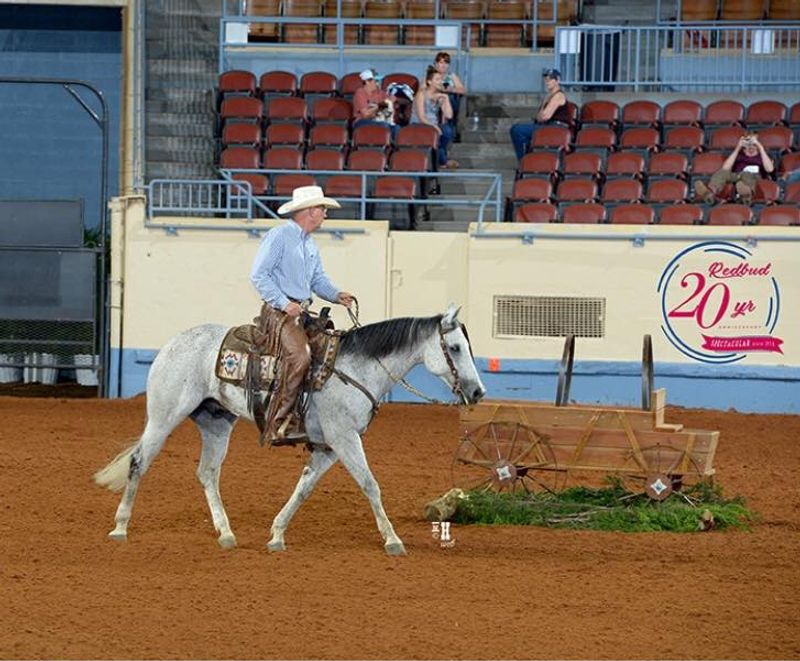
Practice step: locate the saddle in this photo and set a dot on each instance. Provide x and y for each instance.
(250, 358)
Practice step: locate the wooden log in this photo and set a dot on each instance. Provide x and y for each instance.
(443, 508)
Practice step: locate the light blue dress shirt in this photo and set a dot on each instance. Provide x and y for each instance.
(287, 265)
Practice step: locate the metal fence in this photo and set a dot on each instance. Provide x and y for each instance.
(231, 198)
(680, 57)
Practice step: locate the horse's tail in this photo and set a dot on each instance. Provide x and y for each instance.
(114, 476)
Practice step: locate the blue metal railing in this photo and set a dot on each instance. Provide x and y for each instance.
(234, 198)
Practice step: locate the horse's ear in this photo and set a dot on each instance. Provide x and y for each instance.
(449, 319)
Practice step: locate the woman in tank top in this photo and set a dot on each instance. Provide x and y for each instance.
(432, 107)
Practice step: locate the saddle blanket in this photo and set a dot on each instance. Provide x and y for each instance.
(235, 353)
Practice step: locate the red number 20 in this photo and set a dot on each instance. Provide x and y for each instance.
(699, 310)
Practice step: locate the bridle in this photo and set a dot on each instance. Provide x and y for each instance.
(456, 387)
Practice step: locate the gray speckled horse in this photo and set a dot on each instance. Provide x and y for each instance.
(371, 358)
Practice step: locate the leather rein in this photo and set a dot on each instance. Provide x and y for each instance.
(456, 388)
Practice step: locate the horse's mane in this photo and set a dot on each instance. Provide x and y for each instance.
(385, 337)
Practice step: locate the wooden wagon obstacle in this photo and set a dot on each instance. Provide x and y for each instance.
(534, 446)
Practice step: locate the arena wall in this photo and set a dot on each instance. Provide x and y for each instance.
(721, 307)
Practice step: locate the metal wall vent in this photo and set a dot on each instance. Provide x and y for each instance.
(549, 316)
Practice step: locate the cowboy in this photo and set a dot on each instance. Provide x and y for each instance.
(287, 269)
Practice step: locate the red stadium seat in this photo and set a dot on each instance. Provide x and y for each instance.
(622, 190)
(789, 163)
(794, 115)
(540, 212)
(285, 134)
(328, 135)
(551, 137)
(538, 163)
(403, 188)
(683, 112)
(236, 83)
(284, 184)
(600, 113)
(367, 159)
(576, 190)
(596, 138)
(332, 110)
(582, 163)
(668, 164)
(668, 191)
(416, 136)
(681, 214)
(730, 214)
(288, 109)
(765, 113)
(349, 83)
(301, 33)
(645, 139)
(345, 186)
(372, 136)
(318, 82)
(324, 159)
(633, 214)
(767, 192)
(704, 165)
(625, 164)
(241, 108)
(277, 83)
(776, 138)
(402, 79)
(792, 193)
(688, 138)
(782, 215)
(410, 160)
(259, 183)
(244, 134)
(724, 113)
(590, 213)
(532, 190)
(283, 158)
(349, 9)
(239, 158)
(725, 139)
(641, 113)
(505, 35)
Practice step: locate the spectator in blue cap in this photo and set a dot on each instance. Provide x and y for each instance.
(553, 109)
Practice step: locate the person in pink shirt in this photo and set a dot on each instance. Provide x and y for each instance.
(744, 166)
(372, 105)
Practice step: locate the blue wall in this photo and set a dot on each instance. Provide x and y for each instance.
(51, 146)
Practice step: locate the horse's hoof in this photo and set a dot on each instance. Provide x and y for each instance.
(395, 549)
(118, 536)
(276, 547)
(227, 541)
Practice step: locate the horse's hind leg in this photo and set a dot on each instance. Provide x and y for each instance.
(215, 424)
(318, 463)
(139, 460)
(351, 454)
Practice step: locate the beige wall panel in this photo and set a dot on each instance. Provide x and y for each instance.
(428, 271)
(627, 276)
(174, 282)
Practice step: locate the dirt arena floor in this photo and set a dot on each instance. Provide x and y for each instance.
(499, 593)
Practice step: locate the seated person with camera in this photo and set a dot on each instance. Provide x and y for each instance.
(372, 105)
(744, 166)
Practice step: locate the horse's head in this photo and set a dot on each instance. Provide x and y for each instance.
(451, 359)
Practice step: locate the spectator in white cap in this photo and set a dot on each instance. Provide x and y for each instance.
(286, 271)
(372, 105)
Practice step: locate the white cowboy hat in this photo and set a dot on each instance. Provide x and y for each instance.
(305, 197)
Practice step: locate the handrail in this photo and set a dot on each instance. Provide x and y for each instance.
(238, 199)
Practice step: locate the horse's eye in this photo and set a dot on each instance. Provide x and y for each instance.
(455, 348)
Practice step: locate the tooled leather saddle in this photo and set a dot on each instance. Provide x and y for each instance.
(250, 358)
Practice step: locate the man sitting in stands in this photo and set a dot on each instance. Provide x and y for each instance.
(552, 109)
(745, 164)
(372, 105)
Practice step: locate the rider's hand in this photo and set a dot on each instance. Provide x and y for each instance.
(345, 298)
(293, 309)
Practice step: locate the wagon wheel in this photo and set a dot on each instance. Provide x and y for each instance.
(658, 471)
(500, 456)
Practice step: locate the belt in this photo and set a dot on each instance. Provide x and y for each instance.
(300, 301)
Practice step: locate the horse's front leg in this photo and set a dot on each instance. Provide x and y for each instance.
(351, 454)
(318, 463)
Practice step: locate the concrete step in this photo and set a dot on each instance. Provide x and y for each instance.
(158, 48)
(199, 125)
(170, 170)
(495, 135)
(193, 81)
(198, 156)
(199, 106)
(188, 36)
(181, 144)
(183, 65)
(485, 152)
